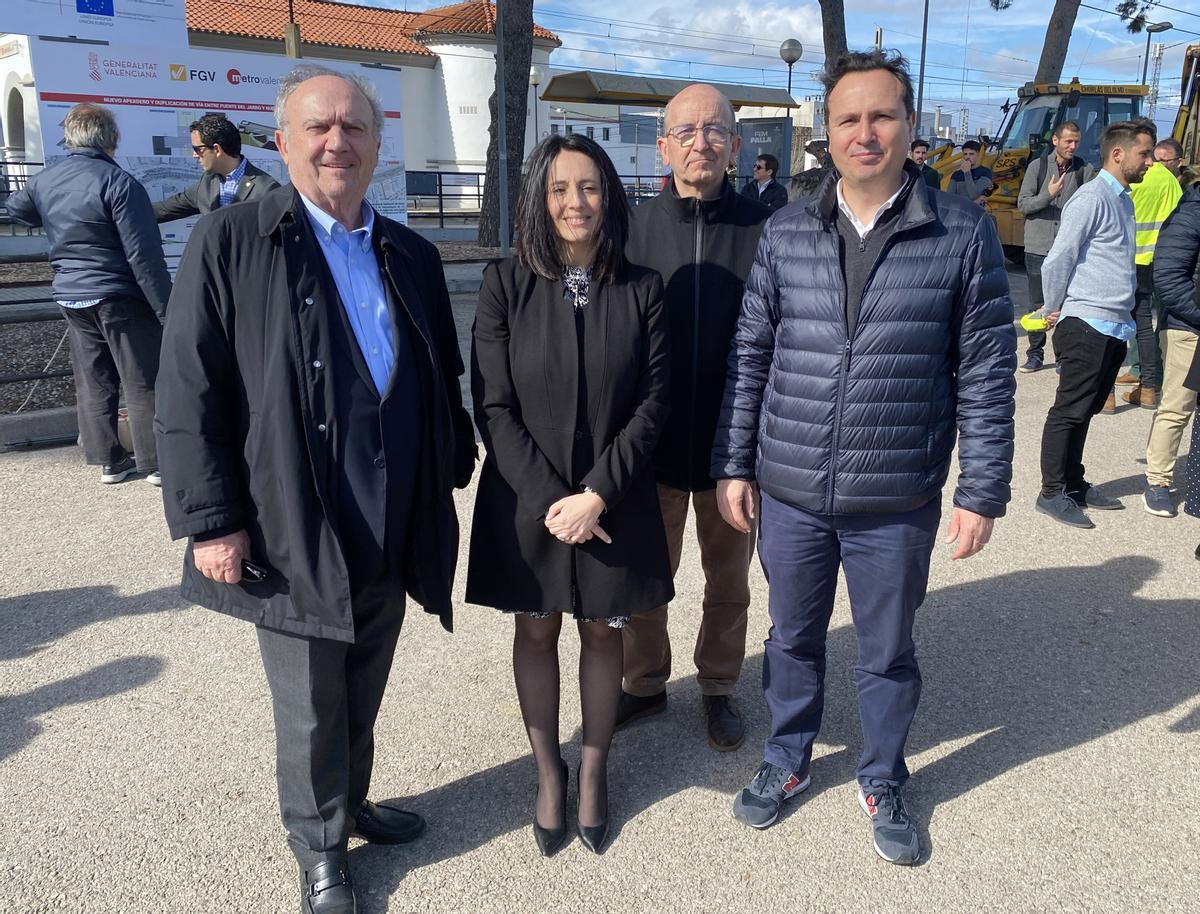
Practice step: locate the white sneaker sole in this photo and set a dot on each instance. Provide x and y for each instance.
(110, 478)
(1156, 512)
(862, 804)
(804, 785)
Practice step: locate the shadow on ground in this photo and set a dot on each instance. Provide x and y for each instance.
(1029, 663)
(32, 622)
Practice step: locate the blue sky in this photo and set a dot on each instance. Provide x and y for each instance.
(975, 58)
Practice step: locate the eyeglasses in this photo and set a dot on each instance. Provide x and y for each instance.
(714, 134)
(197, 149)
(1167, 161)
(758, 167)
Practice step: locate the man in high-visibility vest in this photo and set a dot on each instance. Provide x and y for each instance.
(1153, 201)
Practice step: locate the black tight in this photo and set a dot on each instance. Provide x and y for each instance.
(536, 671)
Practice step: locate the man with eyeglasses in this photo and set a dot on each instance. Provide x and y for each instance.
(764, 188)
(700, 234)
(228, 175)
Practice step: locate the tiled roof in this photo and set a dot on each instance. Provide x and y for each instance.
(344, 25)
(475, 17)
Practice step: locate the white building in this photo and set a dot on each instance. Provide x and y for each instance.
(446, 57)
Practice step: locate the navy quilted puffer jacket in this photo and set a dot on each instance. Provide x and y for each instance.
(839, 425)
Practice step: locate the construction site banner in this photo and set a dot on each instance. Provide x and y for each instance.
(159, 22)
(157, 93)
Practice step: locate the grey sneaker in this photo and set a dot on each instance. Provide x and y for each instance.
(118, 472)
(895, 836)
(1062, 508)
(154, 479)
(759, 802)
(1032, 363)
(1157, 500)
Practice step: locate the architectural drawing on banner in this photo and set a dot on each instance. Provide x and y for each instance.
(156, 93)
(159, 22)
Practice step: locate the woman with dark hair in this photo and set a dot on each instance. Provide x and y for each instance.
(569, 377)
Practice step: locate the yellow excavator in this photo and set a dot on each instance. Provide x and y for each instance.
(1040, 108)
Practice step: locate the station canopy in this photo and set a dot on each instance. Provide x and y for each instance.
(591, 87)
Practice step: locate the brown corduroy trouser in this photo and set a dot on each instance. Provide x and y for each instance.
(725, 556)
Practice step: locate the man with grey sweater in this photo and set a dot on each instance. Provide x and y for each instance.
(1050, 181)
(1088, 281)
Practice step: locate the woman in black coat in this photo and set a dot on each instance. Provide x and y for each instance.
(569, 377)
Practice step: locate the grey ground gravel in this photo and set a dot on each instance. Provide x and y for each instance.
(1053, 756)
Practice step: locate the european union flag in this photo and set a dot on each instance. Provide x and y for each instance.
(95, 7)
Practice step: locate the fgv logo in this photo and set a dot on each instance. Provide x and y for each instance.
(234, 77)
(181, 73)
(94, 7)
(94, 67)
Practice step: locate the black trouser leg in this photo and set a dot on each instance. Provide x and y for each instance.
(1033, 269)
(1090, 363)
(134, 337)
(97, 387)
(1149, 354)
(325, 696)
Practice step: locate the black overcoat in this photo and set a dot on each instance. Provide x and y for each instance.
(245, 413)
(524, 381)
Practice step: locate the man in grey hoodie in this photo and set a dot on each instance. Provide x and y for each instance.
(1050, 181)
(1088, 280)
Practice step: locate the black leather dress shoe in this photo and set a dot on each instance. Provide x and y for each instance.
(725, 729)
(631, 707)
(328, 889)
(386, 824)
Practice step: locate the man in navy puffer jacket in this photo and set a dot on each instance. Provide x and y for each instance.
(876, 325)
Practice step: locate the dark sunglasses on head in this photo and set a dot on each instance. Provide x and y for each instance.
(714, 134)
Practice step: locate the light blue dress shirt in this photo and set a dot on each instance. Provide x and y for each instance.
(355, 269)
(1123, 331)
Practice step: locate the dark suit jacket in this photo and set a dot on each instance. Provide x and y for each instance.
(524, 380)
(246, 413)
(774, 195)
(202, 196)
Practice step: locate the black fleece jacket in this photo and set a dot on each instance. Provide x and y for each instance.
(703, 250)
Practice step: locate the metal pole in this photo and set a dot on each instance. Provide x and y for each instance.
(536, 134)
(790, 79)
(1146, 60)
(921, 76)
(502, 127)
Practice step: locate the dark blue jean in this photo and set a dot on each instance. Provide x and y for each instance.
(886, 560)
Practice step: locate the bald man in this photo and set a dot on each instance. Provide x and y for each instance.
(701, 236)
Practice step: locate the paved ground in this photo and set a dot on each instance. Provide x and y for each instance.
(1054, 754)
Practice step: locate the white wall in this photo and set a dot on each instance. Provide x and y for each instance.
(14, 71)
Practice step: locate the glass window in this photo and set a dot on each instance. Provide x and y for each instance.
(1035, 118)
(554, 129)
(591, 133)
(1089, 115)
(607, 130)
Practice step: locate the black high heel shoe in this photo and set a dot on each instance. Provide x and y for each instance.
(549, 840)
(592, 836)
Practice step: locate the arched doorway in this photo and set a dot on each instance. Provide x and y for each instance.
(14, 118)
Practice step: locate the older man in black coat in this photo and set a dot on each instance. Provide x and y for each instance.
(311, 431)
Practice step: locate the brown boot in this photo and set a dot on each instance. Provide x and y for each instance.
(1110, 404)
(1143, 396)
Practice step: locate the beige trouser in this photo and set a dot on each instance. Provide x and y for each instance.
(725, 556)
(1175, 406)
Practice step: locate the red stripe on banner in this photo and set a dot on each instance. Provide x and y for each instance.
(75, 97)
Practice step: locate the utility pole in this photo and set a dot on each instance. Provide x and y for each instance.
(1152, 99)
(921, 77)
(962, 124)
(878, 39)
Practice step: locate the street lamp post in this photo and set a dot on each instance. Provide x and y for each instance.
(1152, 28)
(535, 80)
(791, 51)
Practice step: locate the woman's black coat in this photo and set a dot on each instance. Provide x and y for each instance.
(524, 380)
